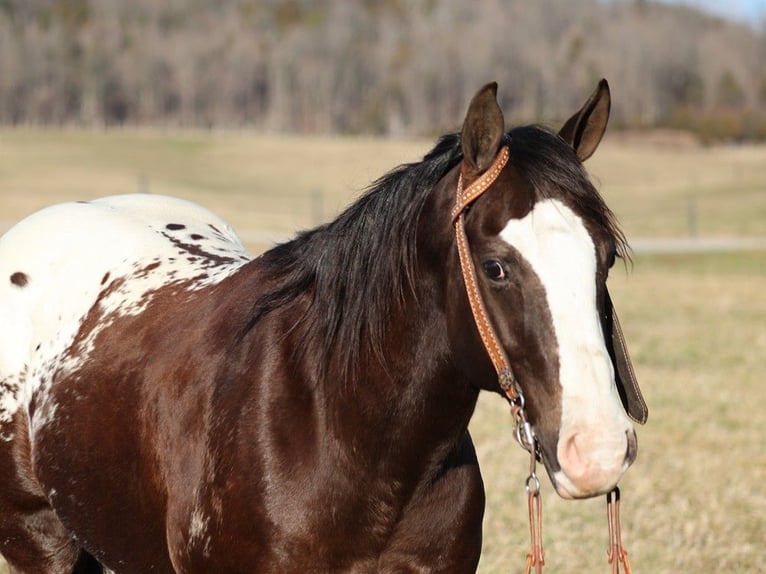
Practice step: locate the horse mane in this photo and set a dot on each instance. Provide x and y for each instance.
(359, 268)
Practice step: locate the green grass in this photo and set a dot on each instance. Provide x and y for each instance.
(694, 501)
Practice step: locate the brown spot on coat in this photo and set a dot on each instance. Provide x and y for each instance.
(19, 279)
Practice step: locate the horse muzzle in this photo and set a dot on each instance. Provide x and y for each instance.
(591, 464)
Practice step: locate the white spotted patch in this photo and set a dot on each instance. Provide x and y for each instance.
(115, 252)
(557, 245)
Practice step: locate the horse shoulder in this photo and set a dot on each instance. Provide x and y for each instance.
(441, 530)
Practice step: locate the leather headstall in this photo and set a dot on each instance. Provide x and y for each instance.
(464, 198)
(624, 376)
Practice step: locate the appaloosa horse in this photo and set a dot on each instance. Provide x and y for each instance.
(170, 404)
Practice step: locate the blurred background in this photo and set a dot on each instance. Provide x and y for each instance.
(278, 113)
(388, 67)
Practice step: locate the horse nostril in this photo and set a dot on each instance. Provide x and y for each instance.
(573, 456)
(632, 450)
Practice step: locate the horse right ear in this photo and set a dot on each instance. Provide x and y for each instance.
(482, 130)
(584, 130)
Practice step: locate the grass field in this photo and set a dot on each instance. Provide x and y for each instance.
(696, 324)
(694, 501)
(274, 185)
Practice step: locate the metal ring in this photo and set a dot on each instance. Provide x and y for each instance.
(532, 480)
(519, 402)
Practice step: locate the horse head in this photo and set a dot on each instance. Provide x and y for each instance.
(542, 242)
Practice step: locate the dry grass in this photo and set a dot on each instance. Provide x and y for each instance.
(694, 501)
(650, 188)
(262, 183)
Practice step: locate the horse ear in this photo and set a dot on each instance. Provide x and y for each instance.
(584, 130)
(483, 129)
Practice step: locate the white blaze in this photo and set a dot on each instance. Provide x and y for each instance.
(557, 245)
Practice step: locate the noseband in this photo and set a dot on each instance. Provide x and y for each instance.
(509, 384)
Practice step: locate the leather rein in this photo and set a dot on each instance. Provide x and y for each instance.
(509, 384)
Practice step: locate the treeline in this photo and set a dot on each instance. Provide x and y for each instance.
(385, 67)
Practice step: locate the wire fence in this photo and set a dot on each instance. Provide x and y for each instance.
(715, 220)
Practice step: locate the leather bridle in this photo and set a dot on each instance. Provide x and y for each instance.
(464, 198)
(508, 383)
(505, 377)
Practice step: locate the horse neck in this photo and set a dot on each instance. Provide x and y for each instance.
(401, 402)
(413, 399)
(411, 405)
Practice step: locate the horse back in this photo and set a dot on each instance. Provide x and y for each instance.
(80, 284)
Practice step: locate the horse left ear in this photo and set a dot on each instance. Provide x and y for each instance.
(482, 129)
(584, 130)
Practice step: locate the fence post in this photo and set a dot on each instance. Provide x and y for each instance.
(317, 208)
(691, 216)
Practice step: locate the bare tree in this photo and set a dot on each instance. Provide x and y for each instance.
(392, 66)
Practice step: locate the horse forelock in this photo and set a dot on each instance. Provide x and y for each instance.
(552, 168)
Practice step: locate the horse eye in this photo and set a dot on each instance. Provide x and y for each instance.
(612, 259)
(495, 270)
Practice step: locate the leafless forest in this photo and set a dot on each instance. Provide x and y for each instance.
(386, 67)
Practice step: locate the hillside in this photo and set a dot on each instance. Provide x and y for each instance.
(390, 67)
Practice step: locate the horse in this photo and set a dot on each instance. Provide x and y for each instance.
(170, 403)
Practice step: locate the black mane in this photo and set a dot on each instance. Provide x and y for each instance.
(360, 267)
